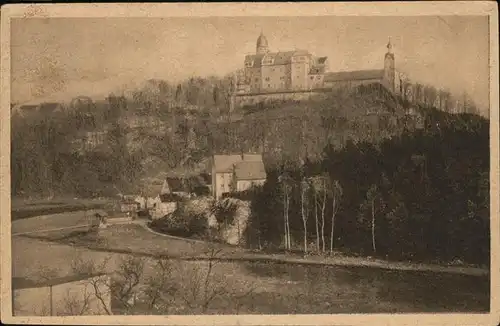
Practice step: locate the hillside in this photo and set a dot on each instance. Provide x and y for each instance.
(99, 150)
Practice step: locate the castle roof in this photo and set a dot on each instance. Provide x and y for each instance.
(279, 58)
(354, 75)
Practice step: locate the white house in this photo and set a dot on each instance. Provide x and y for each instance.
(236, 173)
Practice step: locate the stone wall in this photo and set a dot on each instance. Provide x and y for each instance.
(252, 99)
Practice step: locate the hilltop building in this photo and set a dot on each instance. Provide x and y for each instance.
(297, 71)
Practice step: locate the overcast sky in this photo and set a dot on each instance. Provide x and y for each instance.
(56, 57)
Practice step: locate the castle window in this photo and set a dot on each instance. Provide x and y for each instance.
(312, 77)
(267, 78)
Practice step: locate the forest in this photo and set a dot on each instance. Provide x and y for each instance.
(143, 138)
(353, 171)
(420, 196)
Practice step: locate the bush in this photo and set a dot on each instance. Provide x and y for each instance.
(184, 222)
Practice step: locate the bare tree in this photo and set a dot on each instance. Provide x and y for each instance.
(199, 287)
(305, 215)
(320, 186)
(287, 186)
(160, 290)
(316, 217)
(371, 206)
(127, 280)
(76, 306)
(336, 191)
(101, 288)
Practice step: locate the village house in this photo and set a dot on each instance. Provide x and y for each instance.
(237, 172)
(150, 195)
(129, 207)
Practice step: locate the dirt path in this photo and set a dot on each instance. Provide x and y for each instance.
(247, 255)
(151, 243)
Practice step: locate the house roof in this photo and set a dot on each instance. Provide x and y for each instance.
(250, 170)
(225, 163)
(354, 75)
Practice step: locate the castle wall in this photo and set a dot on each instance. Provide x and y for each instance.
(352, 83)
(251, 99)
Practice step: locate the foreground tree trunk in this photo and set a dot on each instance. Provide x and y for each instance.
(323, 221)
(304, 215)
(373, 226)
(316, 220)
(333, 224)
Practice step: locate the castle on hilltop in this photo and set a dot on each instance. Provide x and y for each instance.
(297, 71)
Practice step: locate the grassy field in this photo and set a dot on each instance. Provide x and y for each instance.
(283, 288)
(142, 242)
(22, 208)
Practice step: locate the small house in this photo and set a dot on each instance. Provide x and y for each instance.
(150, 195)
(248, 174)
(129, 206)
(236, 173)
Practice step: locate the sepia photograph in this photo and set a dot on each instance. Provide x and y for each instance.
(224, 160)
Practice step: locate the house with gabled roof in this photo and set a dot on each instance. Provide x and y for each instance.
(236, 172)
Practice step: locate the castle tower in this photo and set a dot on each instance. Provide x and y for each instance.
(389, 68)
(262, 45)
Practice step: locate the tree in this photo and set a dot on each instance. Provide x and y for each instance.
(320, 185)
(304, 210)
(336, 192)
(287, 189)
(371, 206)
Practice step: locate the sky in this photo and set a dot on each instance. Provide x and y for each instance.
(60, 58)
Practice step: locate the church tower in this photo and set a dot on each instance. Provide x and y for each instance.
(262, 45)
(389, 68)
